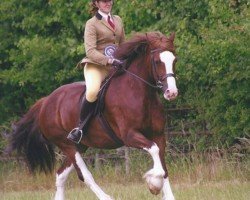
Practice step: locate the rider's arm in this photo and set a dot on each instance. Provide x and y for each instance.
(90, 42)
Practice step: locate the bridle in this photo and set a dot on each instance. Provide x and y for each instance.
(159, 82)
(160, 79)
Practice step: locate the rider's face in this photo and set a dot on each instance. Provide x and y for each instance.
(105, 5)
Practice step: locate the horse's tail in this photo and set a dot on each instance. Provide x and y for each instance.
(27, 140)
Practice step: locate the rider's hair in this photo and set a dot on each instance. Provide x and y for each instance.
(93, 7)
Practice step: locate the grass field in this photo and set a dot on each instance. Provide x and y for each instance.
(192, 178)
(234, 190)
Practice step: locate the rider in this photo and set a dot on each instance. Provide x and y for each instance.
(103, 32)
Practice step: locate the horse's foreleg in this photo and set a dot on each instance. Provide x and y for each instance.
(161, 143)
(61, 177)
(154, 177)
(167, 191)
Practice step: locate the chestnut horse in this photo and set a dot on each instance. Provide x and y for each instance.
(132, 109)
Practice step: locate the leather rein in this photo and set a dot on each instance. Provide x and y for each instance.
(159, 82)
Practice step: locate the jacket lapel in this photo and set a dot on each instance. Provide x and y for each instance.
(98, 16)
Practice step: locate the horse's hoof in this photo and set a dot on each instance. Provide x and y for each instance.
(154, 180)
(155, 184)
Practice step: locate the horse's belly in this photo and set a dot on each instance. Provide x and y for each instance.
(97, 137)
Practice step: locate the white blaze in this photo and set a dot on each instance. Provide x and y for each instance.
(168, 58)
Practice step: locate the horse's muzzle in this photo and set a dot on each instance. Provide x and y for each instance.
(170, 94)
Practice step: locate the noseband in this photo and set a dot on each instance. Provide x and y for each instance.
(159, 82)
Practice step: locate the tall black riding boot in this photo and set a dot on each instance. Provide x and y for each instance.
(87, 110)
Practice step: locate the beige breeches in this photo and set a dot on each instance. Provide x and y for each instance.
(94, 75)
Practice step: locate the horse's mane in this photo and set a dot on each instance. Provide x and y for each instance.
(140, 43)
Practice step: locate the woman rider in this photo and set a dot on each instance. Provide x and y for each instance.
(102, 33)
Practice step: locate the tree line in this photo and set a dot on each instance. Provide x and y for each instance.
(42, 41)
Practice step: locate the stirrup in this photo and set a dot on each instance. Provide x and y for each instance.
(72, 133)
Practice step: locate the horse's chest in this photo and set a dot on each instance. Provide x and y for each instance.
(149, 118)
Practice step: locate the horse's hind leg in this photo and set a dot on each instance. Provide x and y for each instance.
(61, 177)
(83, 172)
(88, 178)
(166, 190)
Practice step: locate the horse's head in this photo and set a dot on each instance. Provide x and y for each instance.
(163, 59)
(158, 54)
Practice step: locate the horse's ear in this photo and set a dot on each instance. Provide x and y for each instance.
(172, 36)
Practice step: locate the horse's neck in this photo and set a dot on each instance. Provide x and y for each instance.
(128, 91)
(140, 68)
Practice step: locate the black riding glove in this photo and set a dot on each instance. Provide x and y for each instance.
(117, 63)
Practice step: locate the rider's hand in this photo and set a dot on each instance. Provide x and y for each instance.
(117, 63)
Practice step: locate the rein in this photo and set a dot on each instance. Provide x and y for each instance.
(146, 82)
(159, 84)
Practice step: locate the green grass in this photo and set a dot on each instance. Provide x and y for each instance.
(138, 191)
(192, 178)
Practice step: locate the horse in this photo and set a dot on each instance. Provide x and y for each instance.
(133, 109)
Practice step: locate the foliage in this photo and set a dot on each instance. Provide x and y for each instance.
(41, 43)
(217, 70)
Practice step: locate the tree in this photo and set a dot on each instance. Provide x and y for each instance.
(41, 43)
